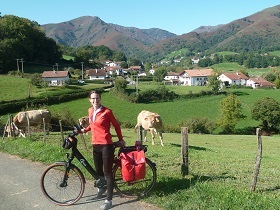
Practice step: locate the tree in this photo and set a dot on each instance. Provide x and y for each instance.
(120, 84)
(36, 79)
(214, 83)
(267, 110)
(148, 66)
(231, 112)
(159, 74)
(22, 38)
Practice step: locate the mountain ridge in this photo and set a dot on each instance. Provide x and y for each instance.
(257, 32)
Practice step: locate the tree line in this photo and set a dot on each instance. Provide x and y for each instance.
(22, 40)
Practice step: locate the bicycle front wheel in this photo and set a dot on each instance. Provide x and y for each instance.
(61, 187)
(138, 188)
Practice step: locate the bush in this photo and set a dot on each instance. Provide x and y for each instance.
(120, 84)
(66, 118)
(199, 125)
(161, 93)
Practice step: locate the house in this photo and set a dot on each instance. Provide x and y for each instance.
(195, 77)
(56, 78)
(233, 78)
(172, 78)
(114, 70)
(111, 63)
(138, 69)
(97, 74)
(195, 60)
(151, 71)
(256, 82)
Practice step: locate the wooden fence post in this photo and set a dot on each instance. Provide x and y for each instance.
(185, 151)
(28, 126)
(61, 130)
(44, 125)
(12, 127)
(257, 162)
(140, 134)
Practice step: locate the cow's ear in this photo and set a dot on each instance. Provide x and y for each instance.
(157, 120)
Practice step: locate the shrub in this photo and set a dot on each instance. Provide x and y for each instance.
(161, 93)
(66, 119)
(120, 84)
(199, 125)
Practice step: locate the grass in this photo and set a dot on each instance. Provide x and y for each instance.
(227, 67)
(173, 113)
(276, 53)
(253, 72)
(24, 87)
(220, 169)
(16, 88)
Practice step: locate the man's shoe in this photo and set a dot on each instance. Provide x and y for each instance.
(100, 192)
(106, 205)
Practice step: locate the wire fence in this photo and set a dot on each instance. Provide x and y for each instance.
(9, 128)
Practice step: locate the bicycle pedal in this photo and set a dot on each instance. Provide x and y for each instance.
(100, 183)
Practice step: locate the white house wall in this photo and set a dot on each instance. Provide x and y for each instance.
(96, 78)
(56, 81)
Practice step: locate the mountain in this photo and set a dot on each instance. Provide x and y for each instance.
(202, 29)
(88, 30)
(259, 32)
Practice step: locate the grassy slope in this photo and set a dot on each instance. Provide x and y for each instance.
(220, 169)
(173, 113)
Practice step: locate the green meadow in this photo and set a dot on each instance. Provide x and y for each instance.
(221, 168)
(174, 113)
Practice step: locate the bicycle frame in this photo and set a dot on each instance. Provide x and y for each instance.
(100, 181)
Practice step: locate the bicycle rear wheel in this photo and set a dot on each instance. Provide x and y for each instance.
(60, 189)
(138, 188)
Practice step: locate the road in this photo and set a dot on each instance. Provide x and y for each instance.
(20, 189)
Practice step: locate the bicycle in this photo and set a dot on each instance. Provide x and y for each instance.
(63, 183)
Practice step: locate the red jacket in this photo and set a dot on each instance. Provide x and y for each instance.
(100, 128)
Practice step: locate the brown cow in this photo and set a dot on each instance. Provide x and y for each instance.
(150, 122)
(83, 122)
(31, 118)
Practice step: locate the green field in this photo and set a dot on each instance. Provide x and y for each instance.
(234, 67)
(173, 113)
(220, 166)
(221, 169)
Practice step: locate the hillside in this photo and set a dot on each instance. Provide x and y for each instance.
(89, 30)
(259, 32)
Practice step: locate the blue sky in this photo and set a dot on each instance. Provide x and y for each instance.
(176, 16)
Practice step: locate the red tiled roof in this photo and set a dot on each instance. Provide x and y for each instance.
(96, 72)
(235, 75)
(171, 73)
(262, 82)
(54, 74)
(135, 67)
(198, 72)
(109, 68)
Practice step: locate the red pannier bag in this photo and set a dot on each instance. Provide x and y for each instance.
(133, 165)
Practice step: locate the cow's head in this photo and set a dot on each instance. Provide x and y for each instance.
(14, 129)
(83, 122)
(152, 119)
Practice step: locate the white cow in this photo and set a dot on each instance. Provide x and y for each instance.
(150, 122)
(31, 118)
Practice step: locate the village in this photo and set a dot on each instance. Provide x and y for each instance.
(193, 77)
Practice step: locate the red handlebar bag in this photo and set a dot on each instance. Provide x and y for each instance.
(133, 165)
